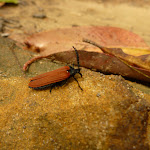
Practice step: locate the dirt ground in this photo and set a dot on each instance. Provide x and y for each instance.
(34, 16)
(28, 119)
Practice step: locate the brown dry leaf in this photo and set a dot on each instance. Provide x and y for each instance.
(127, 54)
(140, 64)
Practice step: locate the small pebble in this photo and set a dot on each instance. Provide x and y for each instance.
(98, 95)
(5, 34)
(24, 127)
(40, 16)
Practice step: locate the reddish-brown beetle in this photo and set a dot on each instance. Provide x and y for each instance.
(54, 78)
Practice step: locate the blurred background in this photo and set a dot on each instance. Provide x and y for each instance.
(28, 16)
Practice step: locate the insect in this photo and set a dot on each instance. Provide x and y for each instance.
(56, 77)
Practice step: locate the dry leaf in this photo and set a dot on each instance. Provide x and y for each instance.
(126, 54)
(139, 64)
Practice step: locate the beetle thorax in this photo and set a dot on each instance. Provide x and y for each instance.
(73, 71)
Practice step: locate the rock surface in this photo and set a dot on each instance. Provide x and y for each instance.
(108, 114)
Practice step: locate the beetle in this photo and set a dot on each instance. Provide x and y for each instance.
(56, 77)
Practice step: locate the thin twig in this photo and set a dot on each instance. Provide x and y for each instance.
(92, 42)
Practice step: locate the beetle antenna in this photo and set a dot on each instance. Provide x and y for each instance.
(77, 56)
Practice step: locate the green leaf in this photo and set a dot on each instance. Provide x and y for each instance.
(10, 1)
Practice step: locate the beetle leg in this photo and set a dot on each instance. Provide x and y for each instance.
(80, 74)
(78, 83)
(58, 84)
(51, 88)
(62, 83)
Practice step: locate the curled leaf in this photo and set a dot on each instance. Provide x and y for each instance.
(140, 64)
